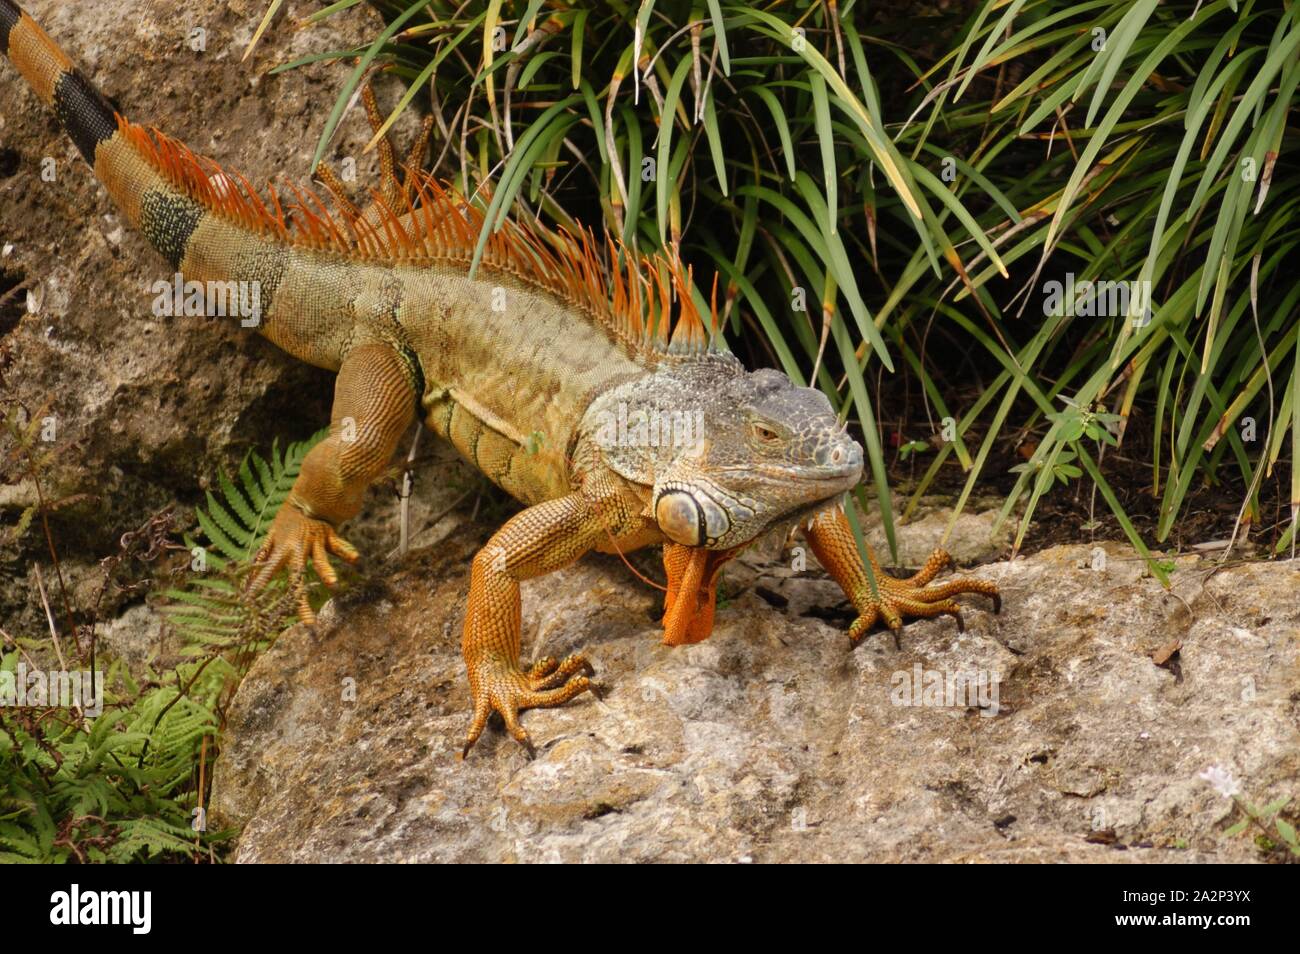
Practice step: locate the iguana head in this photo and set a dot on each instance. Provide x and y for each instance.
(767, 453)
(723, 456)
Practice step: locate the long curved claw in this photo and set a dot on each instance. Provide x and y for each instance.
(895, 600)
(508, 690)
(899, 601)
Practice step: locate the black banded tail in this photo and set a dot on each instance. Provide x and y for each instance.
(83, 111)
(103, 138)
(9, 17)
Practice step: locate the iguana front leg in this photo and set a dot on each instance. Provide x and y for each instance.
(374, 403)
(538, 540)
(832, 541)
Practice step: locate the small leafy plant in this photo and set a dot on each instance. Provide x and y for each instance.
(1273, 833)
(130, 782)
(212, 610)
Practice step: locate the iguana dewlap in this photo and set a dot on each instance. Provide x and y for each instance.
(580, 379)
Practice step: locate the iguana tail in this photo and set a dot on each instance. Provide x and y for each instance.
(85, 114)
(209, 225)
(119, 152)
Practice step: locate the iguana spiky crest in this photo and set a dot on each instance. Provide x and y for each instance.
(645, 300)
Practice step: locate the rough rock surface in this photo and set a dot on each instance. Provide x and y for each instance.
(770, 742)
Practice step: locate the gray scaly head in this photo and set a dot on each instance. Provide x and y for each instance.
(729, 454)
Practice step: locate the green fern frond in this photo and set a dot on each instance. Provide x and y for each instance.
(212, 609)
(237, 523)
(235, 498)
(149, 838)
(223, 530)
(252, 487)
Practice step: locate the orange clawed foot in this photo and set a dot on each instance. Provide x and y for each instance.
(915, 597)
(293, 540)
(501, 686)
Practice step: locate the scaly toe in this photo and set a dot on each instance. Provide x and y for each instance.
(542, 668)
(508, 691)
(558, 675)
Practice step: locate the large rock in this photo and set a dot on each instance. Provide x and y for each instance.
(770, 741)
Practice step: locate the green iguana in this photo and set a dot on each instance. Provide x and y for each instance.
(578, 376)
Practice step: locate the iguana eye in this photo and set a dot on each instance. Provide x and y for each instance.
(764, 433)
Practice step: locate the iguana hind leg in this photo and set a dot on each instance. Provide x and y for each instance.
(538, 540)
(832, 541)
(374, 403)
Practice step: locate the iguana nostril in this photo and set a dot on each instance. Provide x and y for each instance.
(842, 459)
(840, 455)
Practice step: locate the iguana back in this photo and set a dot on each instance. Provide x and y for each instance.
(506, 359)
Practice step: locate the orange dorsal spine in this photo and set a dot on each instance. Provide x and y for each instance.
(644, 300)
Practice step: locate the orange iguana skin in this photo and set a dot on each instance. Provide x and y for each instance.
(506, 363)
